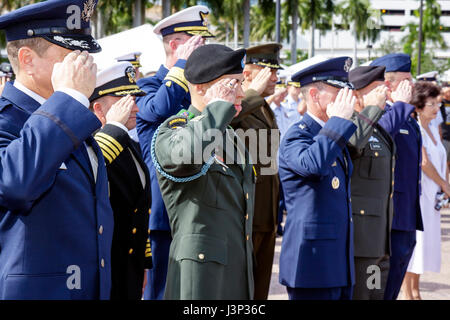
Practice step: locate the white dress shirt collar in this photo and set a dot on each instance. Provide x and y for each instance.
(28, 92)
(321, 122)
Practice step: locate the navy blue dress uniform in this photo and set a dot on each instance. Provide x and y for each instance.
(53, 202)
(407, 214)
(166, 94)
(209, 202)
(129, 185)
(316, 260)
(373, 154)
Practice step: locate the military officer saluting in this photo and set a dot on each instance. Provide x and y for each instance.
(372, 150)
(260, 74)
(135, 59)
(316, 260)
(406, 133)
(209, 193)
(167, 93)
(129, 182)
(56, 221)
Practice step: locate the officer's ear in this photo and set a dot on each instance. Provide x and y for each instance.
(313, 93)
(98, 111)
(25, 57)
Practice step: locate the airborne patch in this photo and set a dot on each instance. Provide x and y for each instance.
(177, 122)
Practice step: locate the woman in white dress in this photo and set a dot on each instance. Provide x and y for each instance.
(427, 253)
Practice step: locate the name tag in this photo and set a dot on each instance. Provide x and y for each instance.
(404, 131)
(63, 166)
(375, 146)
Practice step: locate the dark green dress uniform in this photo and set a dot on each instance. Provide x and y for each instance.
(372, 150)
(210, 207)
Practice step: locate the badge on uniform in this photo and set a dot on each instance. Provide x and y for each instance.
(177, 122)
(375, 146)
(335, 183)
(334, 164)
(404, 131)
(373, 139)
(302, 126)
(63, 166)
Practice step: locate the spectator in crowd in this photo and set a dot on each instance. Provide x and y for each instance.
(434, 181)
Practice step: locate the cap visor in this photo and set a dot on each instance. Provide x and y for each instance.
(340, 84)
(203, 33)
(132, 92)
(75, 42)
(271, 66)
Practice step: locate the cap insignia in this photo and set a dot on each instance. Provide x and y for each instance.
(88, 10)
(131, 74)
(204, 17)
(348, 64)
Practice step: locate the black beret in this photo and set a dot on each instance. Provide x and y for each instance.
(209, 62)
(361, 77)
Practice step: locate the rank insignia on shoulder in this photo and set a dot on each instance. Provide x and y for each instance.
(177, 122)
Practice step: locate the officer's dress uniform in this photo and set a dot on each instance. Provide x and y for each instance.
(210, 216)
(407, 214)
(129, 183)
(257, 115)
(53, 181)
(267, 188)
(53, 206)
(317, 247)
(166, 94)
(164, 98)
(372, 150)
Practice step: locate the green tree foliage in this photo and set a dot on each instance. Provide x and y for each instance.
(431, 37)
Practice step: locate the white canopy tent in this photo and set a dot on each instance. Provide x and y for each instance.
(139, 39)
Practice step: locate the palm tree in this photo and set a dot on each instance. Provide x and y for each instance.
(358, 15)
(315, 14)
(431, 32)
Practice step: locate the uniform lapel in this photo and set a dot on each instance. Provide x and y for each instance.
(82, 158)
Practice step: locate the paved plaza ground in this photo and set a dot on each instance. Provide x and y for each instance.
(433, 286)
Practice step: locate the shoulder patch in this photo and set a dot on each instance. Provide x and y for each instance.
(177, 122)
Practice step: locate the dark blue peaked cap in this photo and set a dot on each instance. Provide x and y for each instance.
(394, 62)
(333, 72)
(63, 22)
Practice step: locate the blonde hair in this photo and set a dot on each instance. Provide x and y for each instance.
(38, 45)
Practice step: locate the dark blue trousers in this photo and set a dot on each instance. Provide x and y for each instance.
(341, 293)
(281, 209)
(403, 243)
(156, 284)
